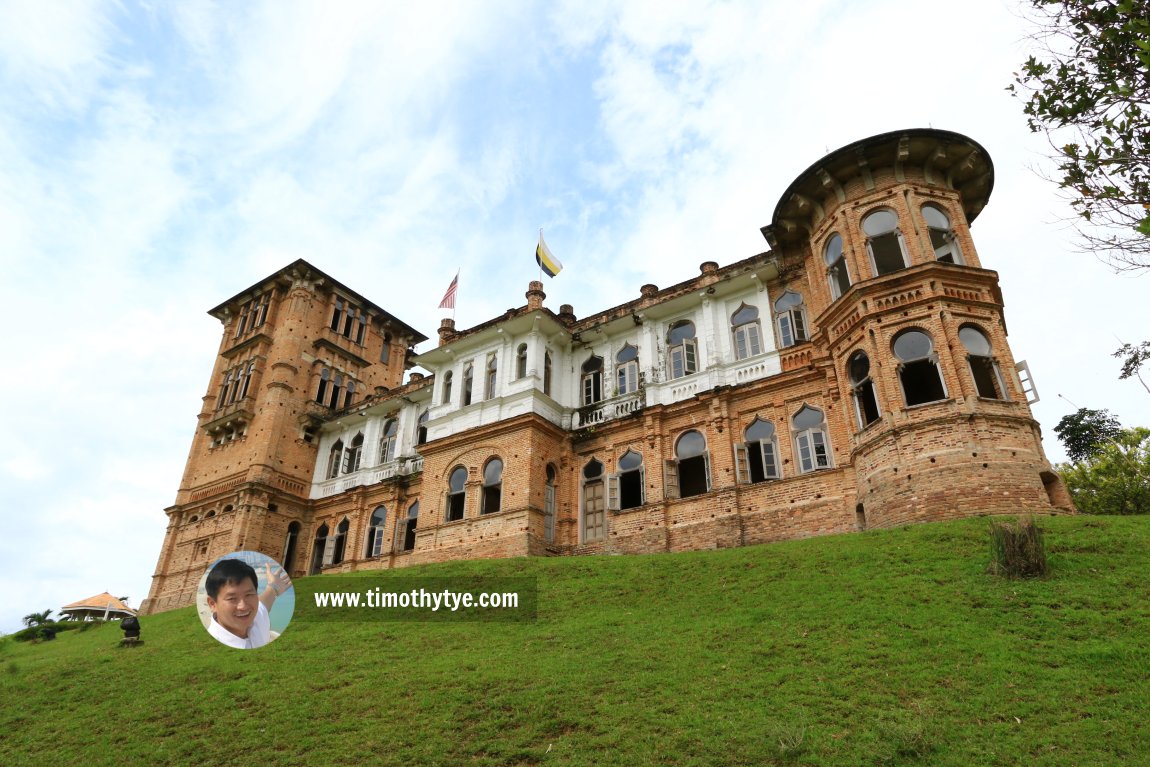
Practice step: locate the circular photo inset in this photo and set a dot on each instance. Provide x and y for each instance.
(245, 599)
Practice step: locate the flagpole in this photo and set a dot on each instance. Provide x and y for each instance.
(539, 260)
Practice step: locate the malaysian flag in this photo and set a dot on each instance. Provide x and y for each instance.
(448, 301)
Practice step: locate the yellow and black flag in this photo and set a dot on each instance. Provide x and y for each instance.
(547, 262)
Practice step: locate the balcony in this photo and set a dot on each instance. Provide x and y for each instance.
(609, 410)
(400, 467)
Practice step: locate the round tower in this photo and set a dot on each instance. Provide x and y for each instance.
(914, 328)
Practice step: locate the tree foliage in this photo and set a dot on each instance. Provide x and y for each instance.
(36, 619)
(1133, 356)
(1088, 90)
(1085, 432)
(1115, 479)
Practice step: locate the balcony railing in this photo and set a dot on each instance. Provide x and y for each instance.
(609, 410)
(399, 467)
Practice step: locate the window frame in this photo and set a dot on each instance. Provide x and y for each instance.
(863, 391)
(837, 270)
(749, 333)
(768, 464)
(811, 440)
(456, 507)
(947, 235)
(911, 367)
(895, 232)
(682, 355)
(591, 381)
(491, 498)
(991, 374)
(791, 321)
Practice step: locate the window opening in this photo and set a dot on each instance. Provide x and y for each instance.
(942, 237)
(837, 274)
(918, 369)
(862, 387)
(594, 506)
(682, 349)
(692, 464)
(592, 380)
(456, 494)
(409, 526)
(791, 319)
(884, 242)
(983, 368)
(489, 382)
(811, 439)
(375, 530)
(549, 504)
(757, 459)
(492, 486)
(387, 441)
(748, 337)
(627, 369)
(521, 361)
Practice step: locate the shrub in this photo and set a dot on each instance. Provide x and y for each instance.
(1017, 549)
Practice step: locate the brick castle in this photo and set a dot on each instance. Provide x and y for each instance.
(855, 375)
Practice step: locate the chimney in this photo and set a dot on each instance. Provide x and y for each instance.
(535, 295)
(567, 313)
(446, 331)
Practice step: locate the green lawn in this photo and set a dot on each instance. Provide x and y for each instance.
(888, 647)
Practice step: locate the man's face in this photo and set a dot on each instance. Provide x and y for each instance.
(236, 606)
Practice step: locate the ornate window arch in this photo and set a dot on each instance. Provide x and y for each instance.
(988, 381)
(627, 370)
(387, 441)
(918, 367)
(747, 332)
(862, 389)
(838, 277)
(550, 506)
(943, 240)
(334, 457)
(689, 472)
(521, 361)
(376, 527)
(594, 507)
(884, 241)
(810, 429)
(625, 489)
(791, 318)
(682, 349)
(490, 377)
(408, 526)
(757, 459)
(592, 380)
(353, 455)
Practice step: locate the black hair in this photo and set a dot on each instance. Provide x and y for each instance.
(230, 571)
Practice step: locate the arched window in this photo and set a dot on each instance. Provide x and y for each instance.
(547, 373)
(489, 380)
(625, 489)
(321, 391)
(884, 242)
(349, 395)
(340, 542)
(421, 429)
(791, 319)
(592, 380)
(353, 454)
(594, 509)
(689, 472)
(983, 368)
(521, 361)
(408, 527)
(942, 237)
(627, 369)
(375, 532)
(290, 546)
(385, 351)
(468, 383)
(336, 389)
(918, 371)
(549, 504)
(447, 387)
(492, 486)
(319, 550)
(757, 459)
(748, 336)
(866, 404)
(837, 274)
(456, 494)
(810, 429)
(337, 315)
(682, 349)
(387, 441)
(333, 460)
(247, 378)
(224, 389)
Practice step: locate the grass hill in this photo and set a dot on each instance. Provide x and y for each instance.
(888, 647)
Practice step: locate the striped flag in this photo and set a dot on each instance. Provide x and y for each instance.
(448, 301)
(547, 262)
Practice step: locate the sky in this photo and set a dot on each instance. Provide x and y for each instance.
(158, 158)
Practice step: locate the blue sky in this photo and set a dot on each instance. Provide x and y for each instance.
(156, 158)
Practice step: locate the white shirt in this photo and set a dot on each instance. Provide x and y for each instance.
(258, 635)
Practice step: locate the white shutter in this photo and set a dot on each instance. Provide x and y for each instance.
(707, 468)
(742, 464)
(671, 479)
(613, 492)
(329, 549)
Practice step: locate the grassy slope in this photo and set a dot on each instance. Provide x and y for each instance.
(889, 647)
